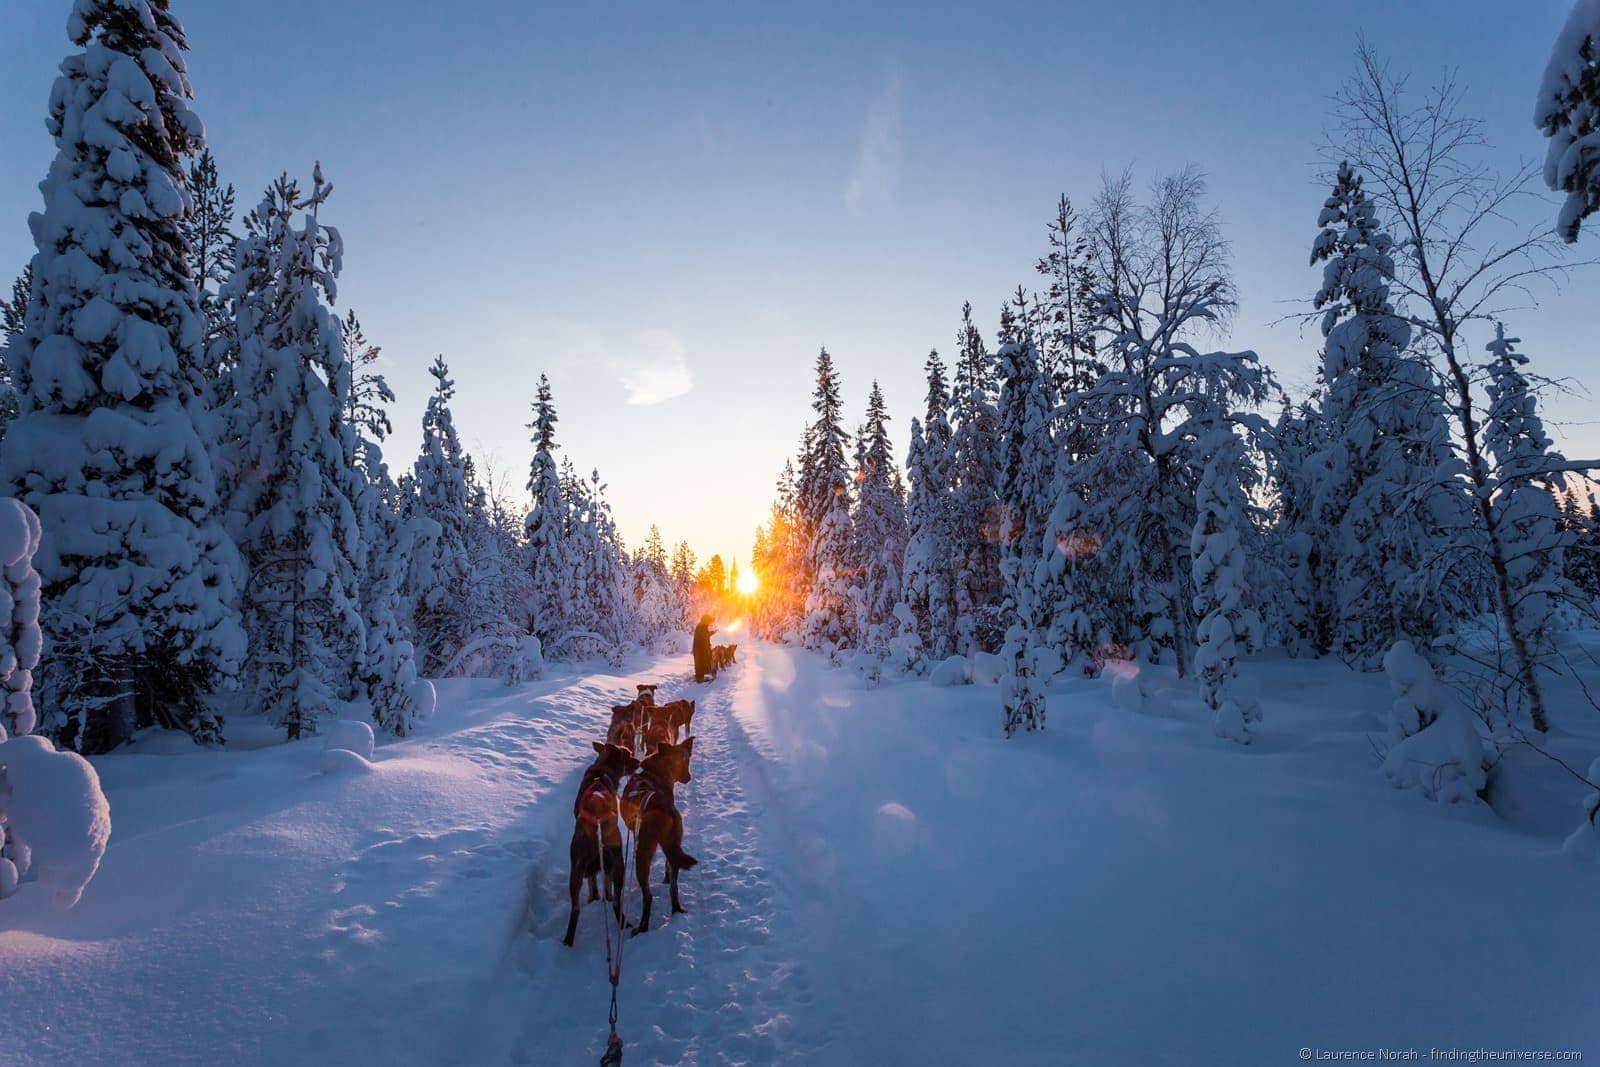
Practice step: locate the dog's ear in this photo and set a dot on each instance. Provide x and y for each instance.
(600, 747)
(688, 746)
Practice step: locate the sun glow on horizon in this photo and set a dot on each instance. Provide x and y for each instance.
(749, 582)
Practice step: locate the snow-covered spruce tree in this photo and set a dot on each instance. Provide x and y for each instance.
(1375, 483)
(394, 538)
(1229, 628)
(929, 576)
(549, 565)
(1525, 471)
(1166, 281)
(54, 819)
(1027, 449)
(1434, 192)
(1026, 489)
(655, 605)
(109, 447)
(879, 530)
(1568, 111)
(827, 606)
(446, 608)
(599, 604)
(681, 571)
(1022, 688)
(393, 535)
(1301, 612)
(295, 490)
(974, 468)
(823, 508)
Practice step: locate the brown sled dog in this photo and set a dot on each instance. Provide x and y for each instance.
(657, 728)
(680, 718)
(595, 836)
(626, 722)
(665, 721)
(652, 814)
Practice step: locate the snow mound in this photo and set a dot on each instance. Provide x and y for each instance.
(952, 671)
(1584, 842)
(988, 668)
(1127, 690)
(424, 698)
(351, 736)
(58, 818)
(1437, 749)
(894, 829)
(342, 761)
(866, 666)
(527, 661)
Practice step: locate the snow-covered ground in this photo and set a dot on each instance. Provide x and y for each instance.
(883, 879)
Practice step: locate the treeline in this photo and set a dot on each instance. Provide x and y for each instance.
(1106, 483)
(200, 434)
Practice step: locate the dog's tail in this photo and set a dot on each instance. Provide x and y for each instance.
(680, 859)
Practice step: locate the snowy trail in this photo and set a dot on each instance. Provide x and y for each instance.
(882, 879)
(726, 983)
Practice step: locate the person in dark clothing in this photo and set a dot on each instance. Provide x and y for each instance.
(704, 668)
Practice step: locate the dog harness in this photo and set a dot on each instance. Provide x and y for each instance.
(598, 803)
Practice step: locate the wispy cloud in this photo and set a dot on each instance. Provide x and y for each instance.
(651, 365)
(872, 182)
(657, 368)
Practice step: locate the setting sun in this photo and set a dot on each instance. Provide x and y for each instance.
(749, 583)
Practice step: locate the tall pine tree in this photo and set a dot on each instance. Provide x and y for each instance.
(295, 488)
(109, 447)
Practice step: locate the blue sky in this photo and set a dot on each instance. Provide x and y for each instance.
(669, 210)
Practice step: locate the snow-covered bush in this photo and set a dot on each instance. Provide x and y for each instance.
(906, 652)
(952, 670)
(56, 819)
(988, 668)
(1584, 842)
(1228, 629)
(526, 662)
(53, 817)
(867, 666)
(1127, 687)
(348, 748)
(352, 735)
(1436, 749)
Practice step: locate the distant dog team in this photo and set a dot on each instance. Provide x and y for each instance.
(646, 805)
(644, 757)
